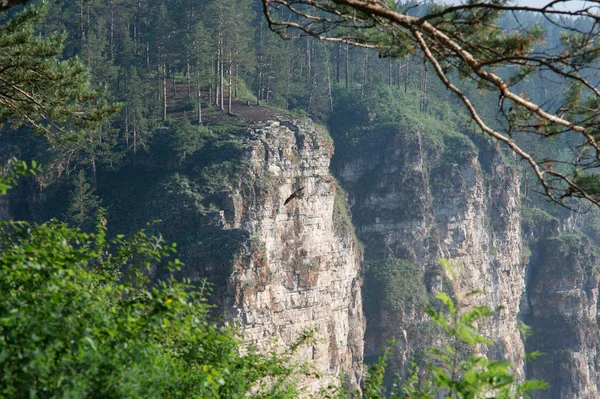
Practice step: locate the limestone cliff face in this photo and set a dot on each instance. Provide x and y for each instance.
(418, 201)
(300, 269)
(562, 299)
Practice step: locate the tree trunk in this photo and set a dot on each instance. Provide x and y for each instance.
(222, 80)
(94, 172)
(406, 74)
(260, 75)
(329, 81)
(364, 77)
(218, 73)
(138, 24)
(338, 57)
(347, 66)
(164, 90)
(134, 141)
(199, 100)
(230, 89)
(189, 79)
(112, 29)
(81, 23)
(308, 60)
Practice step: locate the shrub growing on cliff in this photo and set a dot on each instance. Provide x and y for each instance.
(456, 370)
(71, 326)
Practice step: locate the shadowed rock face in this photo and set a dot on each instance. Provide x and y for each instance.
(562, 293)
(415, 201)
(300, 268)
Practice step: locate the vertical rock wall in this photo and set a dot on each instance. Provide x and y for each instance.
(415, 201)
(562, 299)
(301, 268)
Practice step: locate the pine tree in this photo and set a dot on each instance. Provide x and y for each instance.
(137, 127)
(84, 203)
(187, 139)
(37, 86)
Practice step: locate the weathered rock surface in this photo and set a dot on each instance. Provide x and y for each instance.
(415, 201)
(562, 298)
(301, 267)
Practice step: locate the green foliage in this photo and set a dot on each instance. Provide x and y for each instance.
(71, 326)
(14, 170)
(37, 85)
(188, 138)
(342, 220)
(361, 120)
(455, 370)
(462, 372)
(534, 216)
(396, 284)
(84, 203)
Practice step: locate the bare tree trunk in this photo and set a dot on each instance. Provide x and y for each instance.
(164, 87)
(424, 89)
(230, 89)
(189, 79)
(112, 29)
(347, 66)
(134, 142)
(364, 77)
(174, 83)
(236, 80)
(81, 23)
(221, 79)
(338, 57)
(126, 126)
(199, 100)
(406, 74)
(308, 60)
(268, 91)
(260, 76)
(218, 72)
(137, 27)
(94, 172)
(210, 84)
(329, 80)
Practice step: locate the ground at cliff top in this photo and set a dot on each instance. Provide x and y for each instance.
(243, 110)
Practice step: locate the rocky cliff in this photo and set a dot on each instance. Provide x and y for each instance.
(415, 200)
(561, 307)
(300, 268)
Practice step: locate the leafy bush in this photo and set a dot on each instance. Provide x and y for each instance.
(455, 370)
(72, 326)
(188, 138)
(395, 285)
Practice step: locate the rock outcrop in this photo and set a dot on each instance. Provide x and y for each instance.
(562, 310)
(417, 201)
(300, 269)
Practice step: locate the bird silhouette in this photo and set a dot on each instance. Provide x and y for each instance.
(296, 194)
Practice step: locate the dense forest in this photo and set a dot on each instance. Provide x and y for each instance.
(208, 63)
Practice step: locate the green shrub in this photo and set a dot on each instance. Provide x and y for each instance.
(395, 285)
(72, 326)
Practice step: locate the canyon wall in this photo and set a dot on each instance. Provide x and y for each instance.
(414, 201)
(300, 269)
(561, 306)
(282, 271)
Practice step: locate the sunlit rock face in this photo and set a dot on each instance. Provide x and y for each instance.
(562, 295)
(300, 269)
(417, 201)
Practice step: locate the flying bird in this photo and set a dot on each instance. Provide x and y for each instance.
(298, 193)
